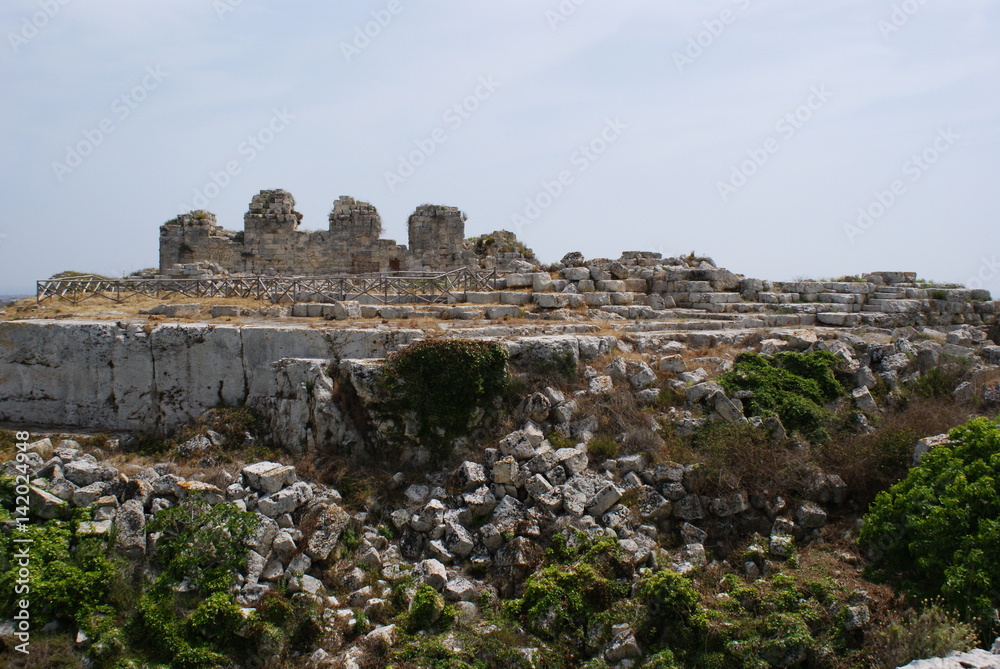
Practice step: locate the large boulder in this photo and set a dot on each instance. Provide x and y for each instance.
(329, 521)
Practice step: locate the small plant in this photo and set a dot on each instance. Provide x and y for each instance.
(428, 610)
(603, 448)
(931, 632)
(561, 603)
(559, 440)
(349, 538)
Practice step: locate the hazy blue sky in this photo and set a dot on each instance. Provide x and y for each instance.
(758, 132)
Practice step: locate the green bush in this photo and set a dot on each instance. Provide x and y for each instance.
(793, 386)
(428, 609)
(444, 384)
(937, 532)
(931, 632)
(561, 602)
(939, 381)
(201, 545)
(672, 612)
(202, 542)
(70, 575)
(779, 621)
(603, 447)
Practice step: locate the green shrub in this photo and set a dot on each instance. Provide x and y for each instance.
(672, 611)
(70, 576)
(202, 542)
(937, 382)
(561, 602)
(665, 659)
(937, 532)
(201, 545)
(931, 632)
(427, 609)
(603, 447)
(793, 386)
(444, 384)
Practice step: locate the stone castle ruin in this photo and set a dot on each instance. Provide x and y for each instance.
(272, 243)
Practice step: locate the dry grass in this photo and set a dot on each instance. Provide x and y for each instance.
(870, 463)
(984, 379)
(601, 362)
(740, 457)
(621, 418)
(46, 652)
(723, 351)
(105, 309)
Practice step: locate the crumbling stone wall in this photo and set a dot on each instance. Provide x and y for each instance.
(272, 243)
(356, 246)
(272, 239)
(196, 237)
(437, 236)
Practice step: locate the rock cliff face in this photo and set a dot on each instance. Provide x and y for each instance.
(107, 376)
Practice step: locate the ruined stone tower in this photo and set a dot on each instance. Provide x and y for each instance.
(271, 241)
(437, 235)
(356, 246)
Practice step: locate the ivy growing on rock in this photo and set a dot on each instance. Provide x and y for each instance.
(444, 386)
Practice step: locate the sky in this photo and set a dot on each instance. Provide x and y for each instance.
(784, 139)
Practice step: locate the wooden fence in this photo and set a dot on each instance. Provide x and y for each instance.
(400, 287)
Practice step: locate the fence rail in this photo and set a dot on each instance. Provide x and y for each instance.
(414, 287)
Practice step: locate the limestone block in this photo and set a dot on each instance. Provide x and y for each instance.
(481, 298)
(501, 312)
(603, 500)
(520, 280)
(226, 311)
(515, 299)
(864, 401)
(268, 477)
(551, 300)
(130, 522)
(575, 273)
(600, 299)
